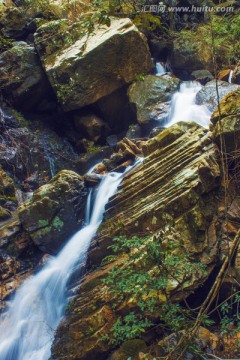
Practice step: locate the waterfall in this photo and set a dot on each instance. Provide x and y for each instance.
(27, 330)
(230, 76)
(184, 107)
(160, 69)
(51, 165)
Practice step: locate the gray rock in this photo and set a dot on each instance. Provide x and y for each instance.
(87, 68)
(134, 132)
(208, 94)
(203, 76)
(22, 78)
(148, 95)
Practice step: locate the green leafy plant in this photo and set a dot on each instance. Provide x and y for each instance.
(151, 268)
(230, 322)
(226, 32)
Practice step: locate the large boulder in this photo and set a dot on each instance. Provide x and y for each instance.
(55, 211)
(208, 94)
(13, 21)
(189, 54)
(227, 122)
(149, 95)
(178, 178)
(229, 106)
(229, 130)
(86, 68)
(22, 78)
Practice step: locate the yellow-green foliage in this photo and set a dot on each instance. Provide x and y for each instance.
(224, 33)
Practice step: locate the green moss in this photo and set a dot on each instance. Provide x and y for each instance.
(45, 228)
(5, 43)
(42, 231)
(8, 198)
(57, 223)
(43, 223)
(64, 89)
(4, 214)
(93, 149)
(20, 118)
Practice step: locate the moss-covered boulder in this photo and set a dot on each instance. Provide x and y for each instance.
(229, 130)
(83, 69)
(147, 96)
(55, 211)
(190, 53)
(22, 78)
(227, 122)
(13, 21)
(229, 106)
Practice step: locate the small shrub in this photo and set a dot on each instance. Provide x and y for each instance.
(150, 269)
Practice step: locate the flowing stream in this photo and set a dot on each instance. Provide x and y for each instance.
(27, 330)
(184, 107)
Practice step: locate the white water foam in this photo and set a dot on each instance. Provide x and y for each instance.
(184, 107)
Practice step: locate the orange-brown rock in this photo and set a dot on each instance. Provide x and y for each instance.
(224, 75)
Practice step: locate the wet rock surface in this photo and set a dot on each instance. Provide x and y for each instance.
(150, 96)
(208, 94)
(18, 258)
(55, 211)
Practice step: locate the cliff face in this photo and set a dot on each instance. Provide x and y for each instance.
(180, 178)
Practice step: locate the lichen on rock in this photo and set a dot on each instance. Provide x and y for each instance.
(90, 68)
(55, 211)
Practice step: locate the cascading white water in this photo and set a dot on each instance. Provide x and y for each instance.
(160, 69)
(27, 331)
(184, 107)
(230, 76)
